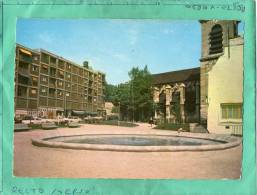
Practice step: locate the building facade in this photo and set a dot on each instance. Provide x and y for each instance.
(47, 85)
(176, 95)
(211, 95)
(221, 66)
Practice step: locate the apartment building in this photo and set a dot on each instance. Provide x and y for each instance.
(47, 85)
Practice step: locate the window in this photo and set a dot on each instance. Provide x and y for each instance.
(231, 111)
(35, 58)
(33, 91)
(216, 39)
(34, 68)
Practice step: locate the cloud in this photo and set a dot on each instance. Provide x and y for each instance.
(167, 31)
(121, 57)
(46, 37)
(133, 36)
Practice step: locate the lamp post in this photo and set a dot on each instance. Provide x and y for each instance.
(65, 103)
(133, 100)
(119, 115)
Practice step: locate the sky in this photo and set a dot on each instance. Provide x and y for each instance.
(114, 46)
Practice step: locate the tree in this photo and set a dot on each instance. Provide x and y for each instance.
(134, 98)
(110, 92)
(141, 93)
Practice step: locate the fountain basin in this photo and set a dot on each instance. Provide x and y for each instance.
(140, 142)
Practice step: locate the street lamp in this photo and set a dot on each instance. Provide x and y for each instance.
(119, 115)
(65, 103)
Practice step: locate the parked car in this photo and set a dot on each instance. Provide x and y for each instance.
(17, 120)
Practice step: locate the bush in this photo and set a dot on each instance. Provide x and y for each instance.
(112, 117)
(173, 126)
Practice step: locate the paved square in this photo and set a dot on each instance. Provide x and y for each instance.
(33, 161)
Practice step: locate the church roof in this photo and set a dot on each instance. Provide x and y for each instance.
(192, 74)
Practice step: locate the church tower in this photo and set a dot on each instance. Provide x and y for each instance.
(215, 37)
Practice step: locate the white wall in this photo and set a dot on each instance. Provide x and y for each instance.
(225, 86)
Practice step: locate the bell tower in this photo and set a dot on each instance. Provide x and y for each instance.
(215, 39)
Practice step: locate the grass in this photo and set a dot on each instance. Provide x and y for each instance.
(172, 126)
(116, 123)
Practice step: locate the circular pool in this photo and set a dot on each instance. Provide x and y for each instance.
(140, 143)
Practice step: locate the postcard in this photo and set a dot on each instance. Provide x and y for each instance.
(136, 97)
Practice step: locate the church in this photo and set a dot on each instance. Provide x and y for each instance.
(210, 95)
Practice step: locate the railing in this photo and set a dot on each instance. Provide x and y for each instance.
(237, 129)
(44, 71)
(26, 59)
(23, 71)
(52, 95)
(53, 85)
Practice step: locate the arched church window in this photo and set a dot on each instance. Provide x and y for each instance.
(215, 38)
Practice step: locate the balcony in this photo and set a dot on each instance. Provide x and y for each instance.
(60, 103)
(61, 64)
(52, 72)
(74, 88)
(68, 67)
(68, 86)
(44, 80)
(91, 78)
(23, 71)
(74, 69)
(44, 69)
(74, 79)
(33, 93)
(22, 91)
(21, 103)
(45, 58)
(81, 72)
(52, 93)
(26, 58)
(52, 83)
(25, 80)
(60, 74)
(43, 91)
(51, 102)
(35, 59)
(68, 77)
(34, 70)
(43, 101)
(32, 104)
(60, 94)
(60, 84)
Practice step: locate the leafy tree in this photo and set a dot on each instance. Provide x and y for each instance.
(141, 93)
(133, 99)
(110, 92)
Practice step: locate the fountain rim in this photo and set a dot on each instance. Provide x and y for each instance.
(230, 142)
